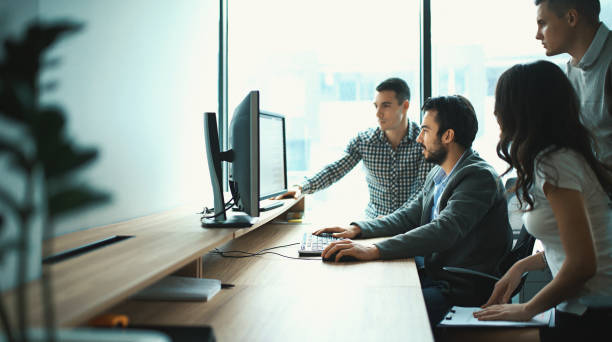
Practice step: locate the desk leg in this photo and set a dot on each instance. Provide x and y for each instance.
(193, 269)
(296, 212)
(298, 206)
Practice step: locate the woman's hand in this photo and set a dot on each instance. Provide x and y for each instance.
(505, 312)
(506, 285)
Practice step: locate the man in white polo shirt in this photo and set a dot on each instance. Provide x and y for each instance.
(573, 27)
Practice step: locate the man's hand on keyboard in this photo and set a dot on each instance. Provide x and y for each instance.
(349, 232)
(343, 248)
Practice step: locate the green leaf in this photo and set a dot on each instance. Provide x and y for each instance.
(58, 155)
(20, 68)
(68, 161)
(17, 101)
(16, 155)
(74, 199)
(48, 126)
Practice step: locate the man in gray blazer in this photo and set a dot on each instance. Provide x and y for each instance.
(459, 219)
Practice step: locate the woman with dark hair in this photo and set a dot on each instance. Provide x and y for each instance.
(565, 193)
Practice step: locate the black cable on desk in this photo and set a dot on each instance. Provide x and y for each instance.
(260, 252)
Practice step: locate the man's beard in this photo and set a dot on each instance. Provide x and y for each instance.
(437, 156)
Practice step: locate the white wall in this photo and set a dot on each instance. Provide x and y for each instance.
(134, 84)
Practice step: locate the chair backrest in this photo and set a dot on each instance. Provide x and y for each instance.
(524, 242)
(523, 247)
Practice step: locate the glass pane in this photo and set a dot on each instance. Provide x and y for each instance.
(318, 63)
(470, 51)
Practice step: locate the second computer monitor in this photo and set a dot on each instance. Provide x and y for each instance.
(272, 155)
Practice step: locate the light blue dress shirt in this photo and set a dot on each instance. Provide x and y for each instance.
(440, 180)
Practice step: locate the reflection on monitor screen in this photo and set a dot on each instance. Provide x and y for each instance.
(272, 156)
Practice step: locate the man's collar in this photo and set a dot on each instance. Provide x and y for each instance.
(441, 174)
(595, 48)
(411, 134)
(380, 134)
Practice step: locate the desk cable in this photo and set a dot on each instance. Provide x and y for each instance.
(208, 210)
(243, 254)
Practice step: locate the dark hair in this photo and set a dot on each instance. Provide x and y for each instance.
(456, 113)
(538, 112)
(399, 86)
(588, 8)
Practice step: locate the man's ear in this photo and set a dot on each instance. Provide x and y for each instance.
(448, 136)
(405, 106)
(572, 17)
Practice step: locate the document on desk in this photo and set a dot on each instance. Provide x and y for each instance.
(463, 317)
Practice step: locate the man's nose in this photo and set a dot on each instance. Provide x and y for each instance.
(419, 138)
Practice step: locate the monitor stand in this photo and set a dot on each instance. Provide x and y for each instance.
(232, 221)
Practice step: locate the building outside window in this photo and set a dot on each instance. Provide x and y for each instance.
(473, 43)
(318, 63)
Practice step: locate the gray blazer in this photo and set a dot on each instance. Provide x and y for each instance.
(471, 230)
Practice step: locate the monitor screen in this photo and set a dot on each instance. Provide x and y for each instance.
(272, 155)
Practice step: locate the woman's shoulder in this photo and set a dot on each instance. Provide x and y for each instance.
(560, 157)
(564, 168)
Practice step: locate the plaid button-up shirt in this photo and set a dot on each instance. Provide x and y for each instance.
(394, 177)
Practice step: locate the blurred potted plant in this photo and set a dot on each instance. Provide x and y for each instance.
(42, 160)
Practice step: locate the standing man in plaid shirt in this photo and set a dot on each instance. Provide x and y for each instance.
(395, 166)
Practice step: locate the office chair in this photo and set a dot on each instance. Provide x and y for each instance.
(522, 248)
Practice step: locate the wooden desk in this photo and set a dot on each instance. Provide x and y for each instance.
(274, 298)
(161, 244)
(281, 299)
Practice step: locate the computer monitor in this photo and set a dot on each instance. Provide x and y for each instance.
(253, 153)
(272, 155)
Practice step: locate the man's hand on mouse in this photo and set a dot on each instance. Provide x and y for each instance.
(348, 247)
(349, 232)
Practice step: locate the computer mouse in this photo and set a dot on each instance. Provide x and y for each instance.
(343, 258)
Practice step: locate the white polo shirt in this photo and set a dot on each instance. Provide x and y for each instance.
(588, 78)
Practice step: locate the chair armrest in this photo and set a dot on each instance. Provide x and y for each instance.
(469, 272)
(599, 302)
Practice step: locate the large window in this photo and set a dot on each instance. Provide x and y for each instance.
(318, 63)
(473, 43)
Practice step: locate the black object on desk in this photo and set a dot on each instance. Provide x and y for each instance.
(181, 333)
(343, 258)
(67, 254)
